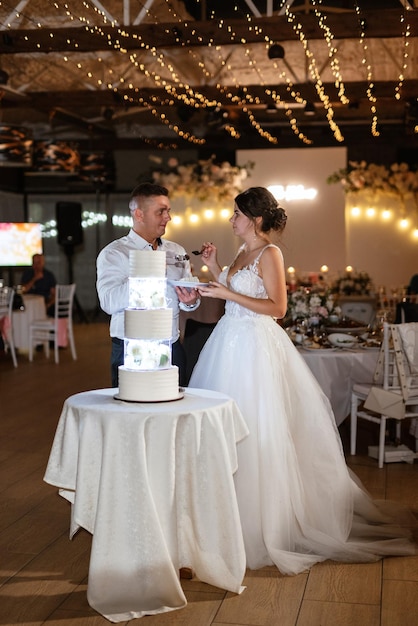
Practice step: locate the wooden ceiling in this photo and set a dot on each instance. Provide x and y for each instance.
(203, 74)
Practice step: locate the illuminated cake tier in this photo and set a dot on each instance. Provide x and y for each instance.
(147, 293)
(147, 374)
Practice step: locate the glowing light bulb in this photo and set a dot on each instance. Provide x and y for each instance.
(370, 212)
(355, 211)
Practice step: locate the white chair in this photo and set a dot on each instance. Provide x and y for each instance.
(6, 320)
(359, 311)
(47, 330)
(396, 372)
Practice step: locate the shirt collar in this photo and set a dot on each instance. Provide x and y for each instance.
(142, 243)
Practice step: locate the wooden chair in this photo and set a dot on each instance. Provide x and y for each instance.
(6, 320)
(47, 330)
(397, 373)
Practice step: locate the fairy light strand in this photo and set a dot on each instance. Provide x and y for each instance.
(370, 84)
(182, 92)
(329, 111)
(332, 52)
(406, 35)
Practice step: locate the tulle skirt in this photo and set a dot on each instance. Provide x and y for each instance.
(299, 503)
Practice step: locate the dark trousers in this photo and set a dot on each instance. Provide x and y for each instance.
(178, 357)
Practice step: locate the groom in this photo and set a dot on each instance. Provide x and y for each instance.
(150, 210)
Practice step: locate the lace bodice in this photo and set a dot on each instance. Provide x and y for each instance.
(246, 281)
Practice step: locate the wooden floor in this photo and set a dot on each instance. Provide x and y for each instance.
(44, 575)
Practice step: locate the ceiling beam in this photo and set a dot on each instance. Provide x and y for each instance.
(106, 97)
(387, 24)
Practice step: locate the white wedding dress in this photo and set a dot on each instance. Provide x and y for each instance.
(299, 503)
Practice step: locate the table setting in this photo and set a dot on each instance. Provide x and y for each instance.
(348, 336)
(315, 321)
(338, 350)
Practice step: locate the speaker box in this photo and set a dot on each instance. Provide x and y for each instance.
(70, 231)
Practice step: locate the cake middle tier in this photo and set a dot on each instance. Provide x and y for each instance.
(148, 323)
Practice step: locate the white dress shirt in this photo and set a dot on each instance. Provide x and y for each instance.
(113, 274)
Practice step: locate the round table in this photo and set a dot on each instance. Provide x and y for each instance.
(154, 485)
(338, 370)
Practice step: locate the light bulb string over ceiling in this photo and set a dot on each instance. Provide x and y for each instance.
(116, 43)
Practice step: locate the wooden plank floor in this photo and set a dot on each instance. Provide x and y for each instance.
(43, 575)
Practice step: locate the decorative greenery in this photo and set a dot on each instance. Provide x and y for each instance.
(353, 283)
(307, 304)
(398, 179)
(203, 179)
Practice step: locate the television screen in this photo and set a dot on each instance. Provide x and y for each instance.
(19, 241)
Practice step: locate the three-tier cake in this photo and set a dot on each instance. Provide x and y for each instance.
(147, 374)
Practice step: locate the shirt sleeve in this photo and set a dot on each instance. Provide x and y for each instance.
(112, 280)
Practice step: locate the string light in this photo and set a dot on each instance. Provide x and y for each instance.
(407, 33)
(370, 88)
(180, 91)
(335, 66)
(297, 27)
(386, 215)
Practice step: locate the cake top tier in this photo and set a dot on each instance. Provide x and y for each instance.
(147, 264)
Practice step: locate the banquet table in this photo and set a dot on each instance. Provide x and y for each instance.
(338, 370)
(22, 319)
(153, 483)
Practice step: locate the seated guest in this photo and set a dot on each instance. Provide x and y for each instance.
(40, 281)
(413, 286)
(407, 311)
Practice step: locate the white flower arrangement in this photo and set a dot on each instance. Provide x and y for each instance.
(306, 304)
(202, 179)
(398, 179)
(354, 283)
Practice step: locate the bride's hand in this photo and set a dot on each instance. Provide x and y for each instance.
(214, 290)
(209, 253)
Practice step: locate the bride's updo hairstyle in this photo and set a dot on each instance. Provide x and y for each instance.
(259, 202)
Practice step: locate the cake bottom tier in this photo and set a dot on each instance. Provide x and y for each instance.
(149, 385)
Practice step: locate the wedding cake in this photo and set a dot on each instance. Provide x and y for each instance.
(147, 374)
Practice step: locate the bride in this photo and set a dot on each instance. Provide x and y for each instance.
(299, 503)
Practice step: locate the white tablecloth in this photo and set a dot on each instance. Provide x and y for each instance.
(337, 371)
(154, 485)
(34, 310)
